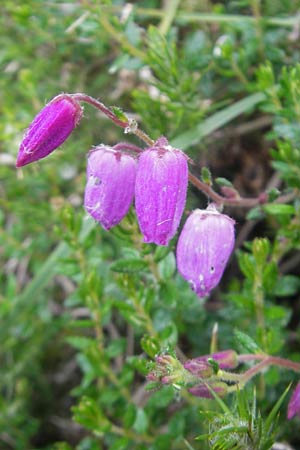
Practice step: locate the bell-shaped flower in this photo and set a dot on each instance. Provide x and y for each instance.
(294, 403)
(110, 183)
(50, 128)
(160, 191)
(204, 247)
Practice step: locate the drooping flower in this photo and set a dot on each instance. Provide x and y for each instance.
(110, 183)
(50, 128)
(294, 403)
(160, 191)
(204, 247)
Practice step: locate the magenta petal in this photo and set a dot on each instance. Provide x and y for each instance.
(227, 359)
(294, 403)
(203, 391)
(50, 128)
(160, 192)
(110, 185)
(204, 247)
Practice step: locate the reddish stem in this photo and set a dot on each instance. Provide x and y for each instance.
(127, 146)
(206, 189)
(266, 361)
(92, 101)
(236, 201)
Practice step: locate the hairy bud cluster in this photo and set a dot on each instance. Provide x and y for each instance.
(198, 375)
(157, 178)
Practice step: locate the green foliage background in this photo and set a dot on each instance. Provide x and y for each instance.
(83, 311)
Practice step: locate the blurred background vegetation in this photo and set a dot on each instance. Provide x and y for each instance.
(82, 311)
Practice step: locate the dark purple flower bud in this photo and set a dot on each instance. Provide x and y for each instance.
(50, 128)
(204, 247)
(160, 191)
(110, 185)
(294, 403)
(226, 359)
(203, 391)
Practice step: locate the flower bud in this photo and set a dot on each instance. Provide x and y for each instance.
(294, 403)
(160, 191)
(110, 185)
(226, 359)
(199, 367)
(203, 391)
(204, 247)
(50, 128)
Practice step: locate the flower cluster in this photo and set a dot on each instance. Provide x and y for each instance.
(156, 178)
(200, 375)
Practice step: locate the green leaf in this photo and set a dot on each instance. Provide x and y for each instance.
(80, 342)
(130, 415)
(116, 347)
(277, 209)
(141, 421)
(287, 285)
(216, 121)
(150, 345)
(131, 265)
(118, 112)
(246, 264)
(255, 213)
(167, 266)
(90, 415)
(246, 342)
(223, 182)
(260, 249)
(206, 176)
(160, 252)
(269, 424)
(270, 274)
(163, 442)
(120, 444)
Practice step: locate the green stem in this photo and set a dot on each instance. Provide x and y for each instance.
(238, 72)
(258, 294)
(169, 10)
(183, 17)
(120, 37)
(141, 438)
(255, 5)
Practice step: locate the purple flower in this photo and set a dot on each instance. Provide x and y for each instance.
(203, 391)
(294, 403)
(204, 247)
(50, 128)
(160, 191)
(226, 359)
(110, 185)
(199, 367)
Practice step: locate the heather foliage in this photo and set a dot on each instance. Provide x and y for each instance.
(104, 345)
